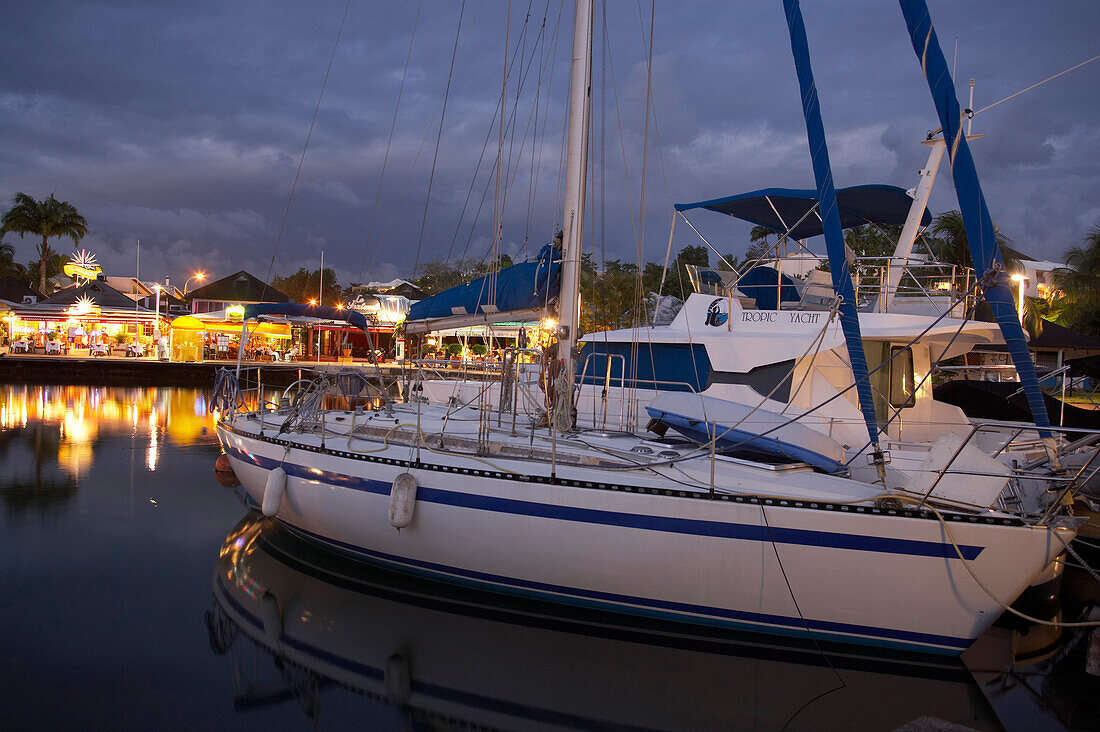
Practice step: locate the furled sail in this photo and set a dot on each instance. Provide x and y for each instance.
(519, 292)
(980, 235)
(830, 217)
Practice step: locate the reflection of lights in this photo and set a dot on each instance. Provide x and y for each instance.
(152, 452)
(80, 414)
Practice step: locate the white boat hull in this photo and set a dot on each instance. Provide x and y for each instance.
(827, 571)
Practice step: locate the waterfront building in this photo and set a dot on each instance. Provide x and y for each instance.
(237, 289)
(218, 336)
(18, 292)
(80, 317)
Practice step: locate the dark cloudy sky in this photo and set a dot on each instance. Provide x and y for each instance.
(182, 123)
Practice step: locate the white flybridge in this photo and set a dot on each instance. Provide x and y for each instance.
(761, 515)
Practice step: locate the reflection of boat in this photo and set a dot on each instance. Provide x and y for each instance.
(446, 653)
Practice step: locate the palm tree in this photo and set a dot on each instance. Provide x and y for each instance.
(1078, 283)
(7, 260)
(43, 218)
(759, 246)
(950, 246)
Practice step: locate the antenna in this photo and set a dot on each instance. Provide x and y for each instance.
(970, 109)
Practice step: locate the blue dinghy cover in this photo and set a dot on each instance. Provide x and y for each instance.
(980, 235)
(738, 426)
(762, 284)
(522, 286)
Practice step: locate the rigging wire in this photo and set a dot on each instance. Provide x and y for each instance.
(489, 181)
(302, 158)
(481, 159)
(439, 137)
(551, 53)
(423, 142)
(389, 142)
(534, 142)
(1051, 78)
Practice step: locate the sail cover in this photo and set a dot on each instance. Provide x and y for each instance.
(780, 209)
(980, 235)
(830, 216)
(522, 286)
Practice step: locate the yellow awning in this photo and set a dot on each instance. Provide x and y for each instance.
(270, 330)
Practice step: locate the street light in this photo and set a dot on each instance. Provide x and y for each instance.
(198, 276)
(156, 319)
(1020, 279)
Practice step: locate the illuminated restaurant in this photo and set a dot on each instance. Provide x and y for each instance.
(218, 335)
(90, 315)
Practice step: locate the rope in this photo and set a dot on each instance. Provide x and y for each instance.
(809, 632)
(1009, 608)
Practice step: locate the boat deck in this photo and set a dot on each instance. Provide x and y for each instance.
(463, 438)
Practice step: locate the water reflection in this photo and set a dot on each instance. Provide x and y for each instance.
(49, 434)
(33, 480)
(78, 414)
(430, 653)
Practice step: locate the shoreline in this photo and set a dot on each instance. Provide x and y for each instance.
(147, 371)
(140, 371)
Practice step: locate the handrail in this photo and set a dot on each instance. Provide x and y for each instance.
(1018, 473)
(606, 385)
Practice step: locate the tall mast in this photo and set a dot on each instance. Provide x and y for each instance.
(576, 160)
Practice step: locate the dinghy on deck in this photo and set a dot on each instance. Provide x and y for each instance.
(751, 429)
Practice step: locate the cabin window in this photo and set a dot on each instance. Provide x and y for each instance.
(902, 378)
(876, 352)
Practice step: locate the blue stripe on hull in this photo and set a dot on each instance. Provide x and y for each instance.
(694, 527)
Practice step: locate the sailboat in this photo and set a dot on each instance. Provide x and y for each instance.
(692, 529)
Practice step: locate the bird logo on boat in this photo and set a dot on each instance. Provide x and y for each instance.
(715, 316)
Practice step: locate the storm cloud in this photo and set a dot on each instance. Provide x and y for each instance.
(182, 124)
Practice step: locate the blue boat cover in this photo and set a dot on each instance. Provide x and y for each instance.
(830, 215)
(762, 284)
(980, 235)
(732, 438)
(520, 287)
(858, 205)
(325, 312)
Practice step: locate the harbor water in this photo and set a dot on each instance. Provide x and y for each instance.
(140, 591)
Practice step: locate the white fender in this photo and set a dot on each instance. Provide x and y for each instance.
(402, 500)
(273, 492)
